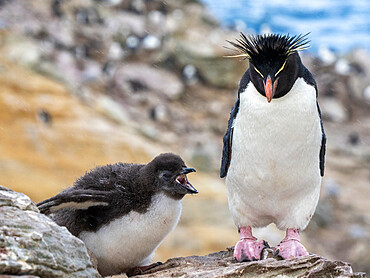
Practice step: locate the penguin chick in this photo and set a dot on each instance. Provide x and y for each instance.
(274, 146)
(122, 212)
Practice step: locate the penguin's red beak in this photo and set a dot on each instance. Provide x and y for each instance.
(270, 88)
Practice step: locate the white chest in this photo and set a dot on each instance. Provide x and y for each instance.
(270, 139)
(131, 240)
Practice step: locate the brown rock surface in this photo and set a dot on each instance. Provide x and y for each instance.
(221, 264)
(32, 244)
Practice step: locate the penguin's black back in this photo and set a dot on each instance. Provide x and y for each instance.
(128, 189)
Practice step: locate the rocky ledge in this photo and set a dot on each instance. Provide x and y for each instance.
(32, 245)
(221, 264)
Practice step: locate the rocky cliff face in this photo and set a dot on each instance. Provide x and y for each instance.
(33, 245)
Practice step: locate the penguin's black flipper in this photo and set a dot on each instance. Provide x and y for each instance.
(75, 199)
(307, 75)
(323, 144)
(228, 137)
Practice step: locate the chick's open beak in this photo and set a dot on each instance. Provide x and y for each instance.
(183, 180)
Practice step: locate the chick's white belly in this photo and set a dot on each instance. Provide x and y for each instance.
(132, 240)
(274, 172)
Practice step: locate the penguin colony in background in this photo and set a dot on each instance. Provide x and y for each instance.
(273, 160)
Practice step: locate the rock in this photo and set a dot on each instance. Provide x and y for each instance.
(112, 109)
(87, 15)
(32, 244)
(359, 79)
(331, 189)
(357, 231)
(92, 72)
(190, 75)
(207, 56)
(149, 132)
(326, 55)
(160, 113)
(18, 276)
(332, 109)
(204, 155)
(115, 51)
(126, 23)
(221, 264)
(323, 216)
(342, 67)
(25, 52)
(156, 22)
(118, 276)
(354, 138)
(151, 42)
(202, 44)
(132, 42)
(367, 94)
(156, 80)
(9, 198)
(344, 78)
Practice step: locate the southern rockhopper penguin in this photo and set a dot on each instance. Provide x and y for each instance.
(274, 146)
(123, 211)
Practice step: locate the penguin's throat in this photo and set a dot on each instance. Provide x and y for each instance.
(182, 179)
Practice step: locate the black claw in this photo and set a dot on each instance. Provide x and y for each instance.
(244, 258)
(276, 252)
(266, 244)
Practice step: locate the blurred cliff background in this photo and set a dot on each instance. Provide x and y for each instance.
(90, 82)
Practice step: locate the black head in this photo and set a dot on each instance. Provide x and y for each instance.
(274, 61)
(170, 175)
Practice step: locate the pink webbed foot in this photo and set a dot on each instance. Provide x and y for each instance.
(291, 247)
(248, 248)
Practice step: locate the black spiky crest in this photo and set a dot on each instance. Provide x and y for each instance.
(257, 47)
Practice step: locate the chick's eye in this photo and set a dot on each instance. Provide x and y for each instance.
(165, 175)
